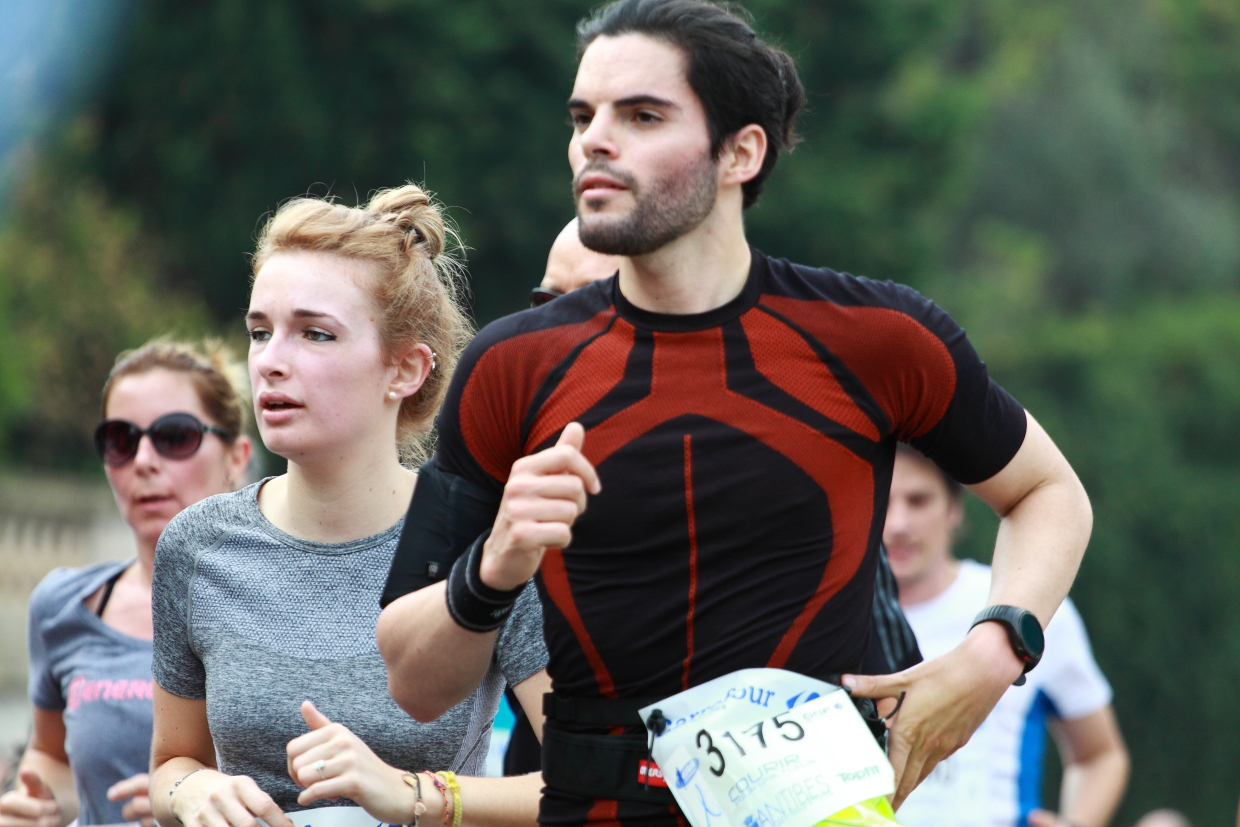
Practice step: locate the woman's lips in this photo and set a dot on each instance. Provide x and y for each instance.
(153, 502)
(278, 408)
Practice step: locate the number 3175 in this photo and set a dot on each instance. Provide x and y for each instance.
(788, 730)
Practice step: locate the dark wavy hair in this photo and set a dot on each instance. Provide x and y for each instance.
(739, 78)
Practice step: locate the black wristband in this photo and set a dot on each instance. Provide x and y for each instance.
(473, 604)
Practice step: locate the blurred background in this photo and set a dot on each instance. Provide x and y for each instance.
(1062, 176)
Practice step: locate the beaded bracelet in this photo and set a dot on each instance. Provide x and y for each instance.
(419, 809)
(457, 811)
(447, 799)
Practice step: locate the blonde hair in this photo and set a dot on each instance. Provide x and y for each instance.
(416, 284)
(217, 377)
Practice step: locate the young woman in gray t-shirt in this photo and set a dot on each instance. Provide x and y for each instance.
(270, 692)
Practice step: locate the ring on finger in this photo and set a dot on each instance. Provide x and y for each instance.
(318, 766)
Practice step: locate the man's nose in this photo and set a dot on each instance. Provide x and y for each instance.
(598, 139)
(897, 518)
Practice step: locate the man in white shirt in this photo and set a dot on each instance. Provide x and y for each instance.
(995, 780)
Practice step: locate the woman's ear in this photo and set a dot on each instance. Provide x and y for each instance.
(238, 459)
(412, 371)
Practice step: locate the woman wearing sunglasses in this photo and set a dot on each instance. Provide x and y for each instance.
(171, 436)
(270, 694)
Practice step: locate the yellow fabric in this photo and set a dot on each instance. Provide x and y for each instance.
(876, 812)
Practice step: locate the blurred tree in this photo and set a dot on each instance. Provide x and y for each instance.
(221, 110)
(1146, 404)
(77, 286)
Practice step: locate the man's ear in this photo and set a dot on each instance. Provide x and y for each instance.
(743, 155)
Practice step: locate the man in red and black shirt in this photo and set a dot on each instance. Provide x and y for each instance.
(731, 420)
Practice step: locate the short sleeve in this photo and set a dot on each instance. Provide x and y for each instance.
(44, 688)
(500, 375)
(479, 423)
(175, 665)
(983, 426)
(911, 368)
(1072, 679)
(520, 648)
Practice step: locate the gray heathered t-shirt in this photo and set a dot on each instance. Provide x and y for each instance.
(256, 620)
(98, 678)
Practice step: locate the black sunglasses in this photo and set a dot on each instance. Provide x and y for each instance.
(541, 295)
(174, 435)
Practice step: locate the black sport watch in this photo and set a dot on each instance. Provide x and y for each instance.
(1024, 632)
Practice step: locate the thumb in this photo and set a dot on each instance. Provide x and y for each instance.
(134, 785)
(875, 686)
(573, 435)
(314, 718)
(35, 788)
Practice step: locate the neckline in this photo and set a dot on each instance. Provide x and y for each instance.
(314, 546)
(84, 612)
(672, 323)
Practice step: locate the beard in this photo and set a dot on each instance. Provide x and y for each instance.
(668, 209)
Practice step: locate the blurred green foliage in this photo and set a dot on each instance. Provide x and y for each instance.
(1064, 177)
(77, 286)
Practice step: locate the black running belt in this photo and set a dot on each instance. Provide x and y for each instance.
(595, 711)
(615, 766)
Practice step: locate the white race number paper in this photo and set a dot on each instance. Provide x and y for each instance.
(767, 748)
(334, 817)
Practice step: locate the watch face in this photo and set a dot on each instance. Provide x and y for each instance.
(1031, 633)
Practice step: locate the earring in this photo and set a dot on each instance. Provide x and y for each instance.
(392, 395)
(432, 360)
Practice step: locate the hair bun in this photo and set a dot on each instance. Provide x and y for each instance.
(411, 209)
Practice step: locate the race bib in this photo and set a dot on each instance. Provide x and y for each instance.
(767, 748)
(335, 817)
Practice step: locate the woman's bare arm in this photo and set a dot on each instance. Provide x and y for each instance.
(183, 751)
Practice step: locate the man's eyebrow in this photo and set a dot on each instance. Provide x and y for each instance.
(646, 100)
(632, 100)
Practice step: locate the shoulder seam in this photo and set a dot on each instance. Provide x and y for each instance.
(224, 534)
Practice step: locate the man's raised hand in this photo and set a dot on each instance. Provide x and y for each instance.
(545, 494)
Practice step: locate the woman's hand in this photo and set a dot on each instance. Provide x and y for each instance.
(30, 804)
(136, 788)
(331, 762)
(209, 798)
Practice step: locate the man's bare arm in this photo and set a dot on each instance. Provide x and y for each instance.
(1044, 528)
(433, 663)
(1045, 525)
